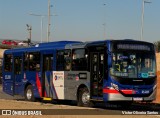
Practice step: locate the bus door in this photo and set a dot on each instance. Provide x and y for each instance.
(47, 75)
(17, 68)
(97, 73)
(8, 79)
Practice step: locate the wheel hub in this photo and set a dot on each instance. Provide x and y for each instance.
(85, 98)
(29, 94)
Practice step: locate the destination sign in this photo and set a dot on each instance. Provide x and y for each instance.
(134, 47)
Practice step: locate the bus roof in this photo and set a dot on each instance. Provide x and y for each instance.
(66, 45)
(57, 43)
(43, 46)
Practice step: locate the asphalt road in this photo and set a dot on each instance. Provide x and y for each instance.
(116, 108)
(8, 97)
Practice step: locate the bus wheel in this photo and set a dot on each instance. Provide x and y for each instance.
(29, 94)
(84, 98)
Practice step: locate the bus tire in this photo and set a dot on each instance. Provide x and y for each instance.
(29, 95)
(84, 98)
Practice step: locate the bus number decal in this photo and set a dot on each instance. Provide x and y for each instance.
(7, 76)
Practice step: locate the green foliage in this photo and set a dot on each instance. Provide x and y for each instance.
(157, 46)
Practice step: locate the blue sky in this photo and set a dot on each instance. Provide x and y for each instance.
(80, 19)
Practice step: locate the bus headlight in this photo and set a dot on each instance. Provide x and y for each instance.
(114, 86)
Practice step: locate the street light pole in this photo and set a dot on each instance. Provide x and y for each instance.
(142, 17)
(42, 28)
(42, 16)
(104, 24)
(48, 29)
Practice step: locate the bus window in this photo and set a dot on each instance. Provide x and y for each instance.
(34, 61)
(64, 60)
(79, 59)
(17, 65)
(60, 60)
(25, 62)
(67, 59)
(8, 62)
(48, 60)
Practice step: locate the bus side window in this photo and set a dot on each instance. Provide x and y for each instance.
(25, 62)
(79, 59)
(60, 60)
(48, 63)
(8, 58)
(64, 60)
(18, 65)
(34, 61)
(67, 59)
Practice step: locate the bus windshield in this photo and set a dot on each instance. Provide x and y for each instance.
(133, 65)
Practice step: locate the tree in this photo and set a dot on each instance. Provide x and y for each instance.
(157, 46)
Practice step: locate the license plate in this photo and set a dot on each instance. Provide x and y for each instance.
(137, 99)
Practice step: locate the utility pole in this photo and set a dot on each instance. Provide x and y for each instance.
(142, 17)
(104, 24)
(49, 14)
(29, 28)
